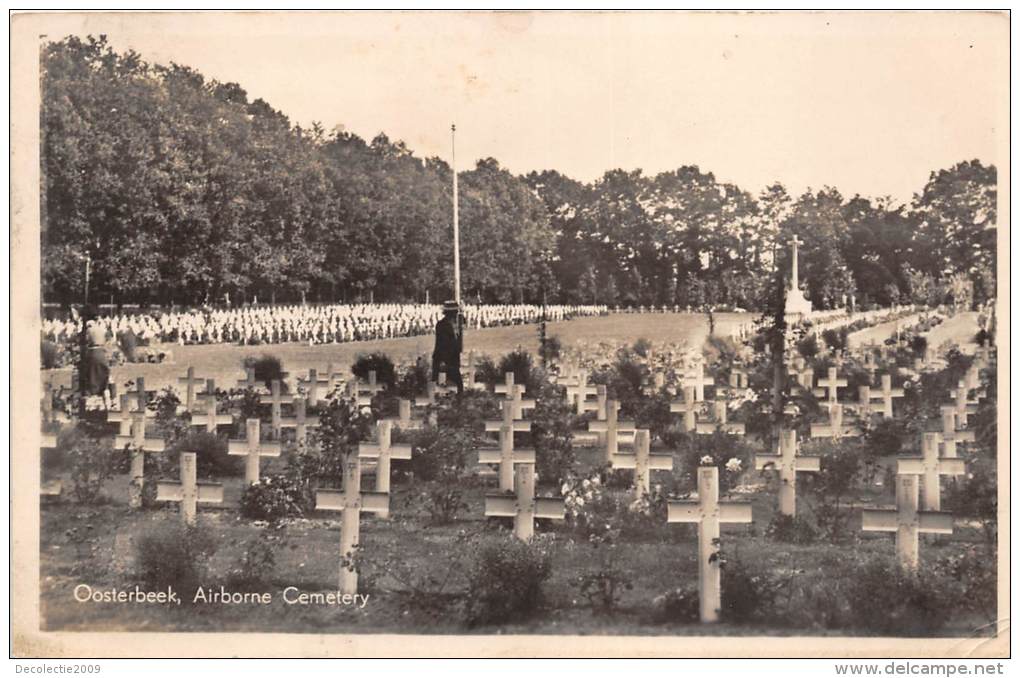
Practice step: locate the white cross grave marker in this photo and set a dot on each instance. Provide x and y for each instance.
(190, 381)
(951, 436)
(931, 466)
(709, 513)
(788, 463)
(301, 421)
(689, 407)
(832, 385)
(141, 445)
(276, 399)
(352, 502)
(252, 448)
(835, 428)
(187, 491)
(907, 521)
(612, 427)
(643, 461)
(720, 423)
(383, 451)
(524, 507)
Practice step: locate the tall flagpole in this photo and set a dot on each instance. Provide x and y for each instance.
(456, 224)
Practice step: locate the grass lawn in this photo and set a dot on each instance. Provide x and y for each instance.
(222, 362)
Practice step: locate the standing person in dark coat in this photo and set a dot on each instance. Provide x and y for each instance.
(449, 344)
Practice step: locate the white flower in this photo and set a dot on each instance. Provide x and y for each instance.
(586, 483)
(365, 409)
(595, 481)
(733, 465)
(706, 460)
(579, 502)
(565, 489)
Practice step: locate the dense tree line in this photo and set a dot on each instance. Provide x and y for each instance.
(177, 188)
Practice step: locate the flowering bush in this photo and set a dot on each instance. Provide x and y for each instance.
(272, 498)
(603, 588)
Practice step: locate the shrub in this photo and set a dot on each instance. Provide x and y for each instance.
(486, 371)
(791, 529)
(832, 488)
(835, 338)
(749, 591)
(413, 379)
(552, 436)
(603, 588)
(913, 602)
(256, 566)
(380, 363)
(442, 454)
(342, 425)
(808, 346)
(91, 461)
(677, 606)
(505, 580)
(520, 363)
(267, 369)
(642, 347)
(272, 498)
(442, 500)
(172, 554)
(210, 454)
(886, 437)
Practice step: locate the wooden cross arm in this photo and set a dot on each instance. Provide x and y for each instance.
(623, 461)
(526, 403)
(549, 507)
(763, 461)
(375, 502)
(683, 512)
(490, 456)
(961, 437)
(808, 462)
(880, 520)
(952, 466)
(585, 437)
(598, 427)
(501, 506)
(735, 512)
(912, 466)
(822, 431)
(239, 448)
(203, 419)
(420, 401)
(401, 451)
(206, 493)
(660, 462)
(496, 426)
(148, 444)
(935, 522)
(330, 500)
(48, 441)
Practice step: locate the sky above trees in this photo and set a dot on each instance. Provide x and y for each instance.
(867, 102)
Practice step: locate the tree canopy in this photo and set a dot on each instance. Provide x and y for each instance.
(178, 188)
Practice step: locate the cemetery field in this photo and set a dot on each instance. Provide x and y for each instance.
(657, 559)
(222, 362)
